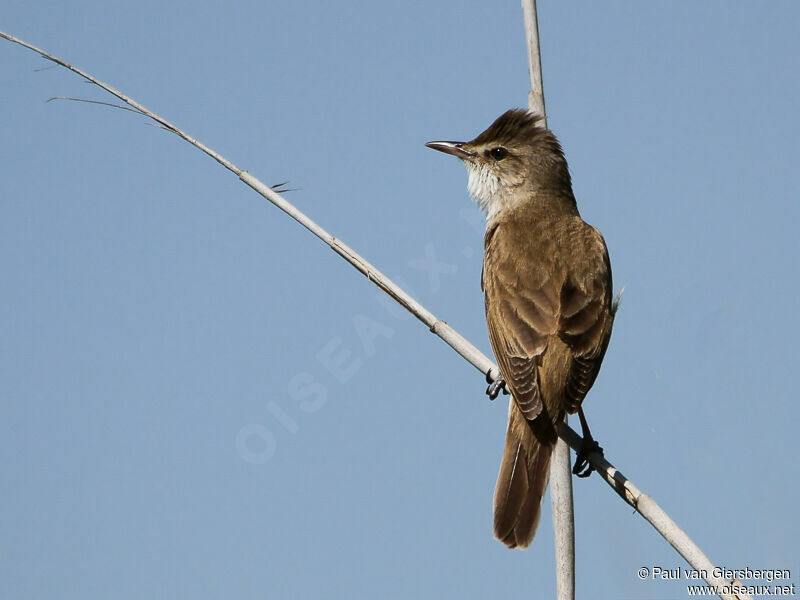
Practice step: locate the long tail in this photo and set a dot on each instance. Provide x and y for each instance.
(522, 480)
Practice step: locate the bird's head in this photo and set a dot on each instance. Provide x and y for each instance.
(510, 161)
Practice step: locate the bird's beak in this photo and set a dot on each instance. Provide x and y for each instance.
(454, 148)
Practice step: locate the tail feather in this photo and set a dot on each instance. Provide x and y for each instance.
(521, 483)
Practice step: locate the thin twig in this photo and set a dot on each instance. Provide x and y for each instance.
(643, 504)
(100, 102)
(563, 508)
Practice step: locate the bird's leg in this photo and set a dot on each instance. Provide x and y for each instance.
(495, 386)
(583, 468)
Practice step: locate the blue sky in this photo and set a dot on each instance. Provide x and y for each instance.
(189, 405)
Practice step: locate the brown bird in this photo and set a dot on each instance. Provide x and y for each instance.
(549, 309)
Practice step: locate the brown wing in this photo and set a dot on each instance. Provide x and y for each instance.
(528, 301)
(521, 314)
(586, 316)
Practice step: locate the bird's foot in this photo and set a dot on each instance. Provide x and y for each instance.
(495, 387)
(583, 468)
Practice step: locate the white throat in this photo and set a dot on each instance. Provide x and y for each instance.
(484, 187)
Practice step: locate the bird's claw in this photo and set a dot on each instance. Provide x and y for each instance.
(495, 387)
(583, 468)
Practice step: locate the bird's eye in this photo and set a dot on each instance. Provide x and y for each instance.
(498, 153)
